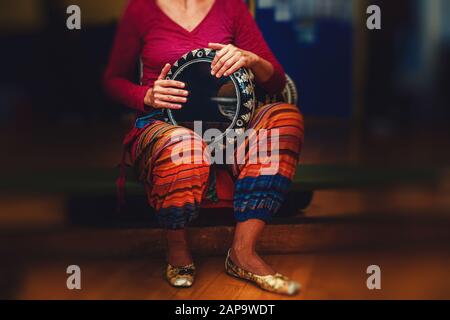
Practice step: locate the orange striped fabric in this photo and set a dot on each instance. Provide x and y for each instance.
(176, 189)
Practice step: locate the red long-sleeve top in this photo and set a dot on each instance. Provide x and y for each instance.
(145, 32)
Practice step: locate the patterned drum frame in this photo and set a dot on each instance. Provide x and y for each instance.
(243, 84)
(288, 95)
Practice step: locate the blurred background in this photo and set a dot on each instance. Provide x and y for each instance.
(376, 105)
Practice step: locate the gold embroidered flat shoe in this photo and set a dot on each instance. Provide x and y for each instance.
(276, 283)
(180, 277)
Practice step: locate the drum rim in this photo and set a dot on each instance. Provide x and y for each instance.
(243, 83)
(236, 86)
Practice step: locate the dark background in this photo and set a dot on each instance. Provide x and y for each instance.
(395, 75)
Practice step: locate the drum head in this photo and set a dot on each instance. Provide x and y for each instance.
(225, 104)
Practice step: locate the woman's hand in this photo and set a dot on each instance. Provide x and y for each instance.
(167, 94)
(229, 59)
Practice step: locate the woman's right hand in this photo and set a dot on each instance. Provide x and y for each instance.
(167, 94)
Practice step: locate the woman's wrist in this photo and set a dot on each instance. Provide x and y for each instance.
(253, 60)
(148, 98)
(261, 68)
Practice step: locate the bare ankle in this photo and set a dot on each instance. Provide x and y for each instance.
(249, 260)
(242, 254)
(177, 236)
(178, 252)
(179, 258)
(243, 247)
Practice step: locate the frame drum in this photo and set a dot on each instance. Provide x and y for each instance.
(225, 104)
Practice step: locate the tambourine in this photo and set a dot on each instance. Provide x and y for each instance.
(225, 104)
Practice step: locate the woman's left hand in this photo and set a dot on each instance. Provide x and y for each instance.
(230, 59)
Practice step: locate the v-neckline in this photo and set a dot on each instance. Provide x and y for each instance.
(161, 11)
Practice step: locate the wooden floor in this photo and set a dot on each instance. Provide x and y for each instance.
(405, 275)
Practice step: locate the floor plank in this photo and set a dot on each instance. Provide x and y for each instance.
(405, 275)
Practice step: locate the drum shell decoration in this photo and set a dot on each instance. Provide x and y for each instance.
(243, 83)
(288, 95)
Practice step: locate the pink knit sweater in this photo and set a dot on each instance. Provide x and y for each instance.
(145, 32)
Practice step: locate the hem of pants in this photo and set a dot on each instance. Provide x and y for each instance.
(260, 214)
(176, 218)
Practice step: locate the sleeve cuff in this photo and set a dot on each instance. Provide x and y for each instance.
(139, 96)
